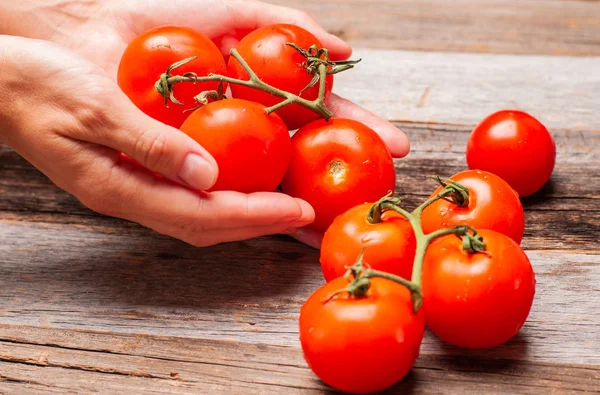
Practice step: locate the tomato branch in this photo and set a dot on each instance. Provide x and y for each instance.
(321, 67)
(452, 191)
(359, 274)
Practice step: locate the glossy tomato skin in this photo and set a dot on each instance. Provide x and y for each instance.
(515, 146)
(150, 54)
(279, 65)
(388, 246)
(336, 165)
(361, 345)
(252, 149)
(477, 300)
(493, 204)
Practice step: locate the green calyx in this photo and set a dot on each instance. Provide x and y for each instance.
(383, 204)
(315, 57)
(359, 275)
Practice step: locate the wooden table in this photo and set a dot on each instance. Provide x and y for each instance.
(89, 303)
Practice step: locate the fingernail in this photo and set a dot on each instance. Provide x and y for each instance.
(197, 172)
(307, 217)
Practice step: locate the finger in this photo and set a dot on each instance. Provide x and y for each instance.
(232, 209)
(230, 21)
(135, 194)
(263, 14)
(309, 237)
(225, 235)
(395, 139)
(156, 146)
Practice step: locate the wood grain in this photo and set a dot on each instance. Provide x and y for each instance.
(564, 215)
(460, 88)
(489, 26)
(90, 303)
(59, 360)
(137, 282)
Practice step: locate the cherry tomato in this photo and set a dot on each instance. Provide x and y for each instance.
(252, 149)
(388, 245)
(493, 204)
(478, 300)
(150, 54)
(515, 146)
(279, 65)
(361, 345)
(336, 165)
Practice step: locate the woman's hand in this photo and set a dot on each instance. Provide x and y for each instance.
(100, 31)
(68, 118)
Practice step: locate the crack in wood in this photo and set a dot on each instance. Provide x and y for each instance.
(87, 368)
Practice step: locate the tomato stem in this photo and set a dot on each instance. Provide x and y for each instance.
(374, 216)
(165, 84)
(453, 191)
(360, 273)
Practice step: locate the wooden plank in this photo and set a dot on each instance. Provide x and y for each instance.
(460, 88)
(565, 215)
(422, 87)
(491, 26)
(136, 282)
(86, 360)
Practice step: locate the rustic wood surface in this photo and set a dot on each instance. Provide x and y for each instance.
(94, 304)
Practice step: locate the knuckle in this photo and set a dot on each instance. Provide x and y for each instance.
(153, 151)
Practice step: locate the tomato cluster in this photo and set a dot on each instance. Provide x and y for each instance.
(280, 80)
(453, 264)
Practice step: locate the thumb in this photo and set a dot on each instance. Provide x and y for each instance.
(158, 147)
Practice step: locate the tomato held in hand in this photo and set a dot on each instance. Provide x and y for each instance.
(515, 146)
(336, 165)
(389, 245)
(493, 204)
(477, 300)
(279, 65)
(149, 55)
(361, 344)
(252, 149)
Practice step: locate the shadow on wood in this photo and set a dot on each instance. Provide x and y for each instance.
(157, 271)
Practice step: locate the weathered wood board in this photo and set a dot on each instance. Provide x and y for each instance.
(90, 303)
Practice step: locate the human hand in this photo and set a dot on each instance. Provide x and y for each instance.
(101, 30)
(69, 118)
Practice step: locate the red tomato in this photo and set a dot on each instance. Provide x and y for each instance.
(336, 165)
(389, 245)
(515, 146)
(150, 54)
(493, 204)
(252, 149)
(477, 300)
(361, 345)
(279, 65)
